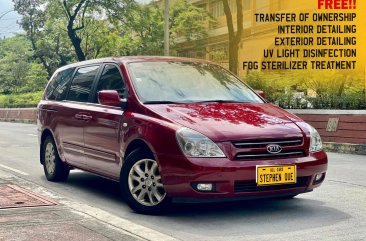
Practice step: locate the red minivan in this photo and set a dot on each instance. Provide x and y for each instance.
(174, 128)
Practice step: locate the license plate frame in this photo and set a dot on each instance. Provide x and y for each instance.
(281, 175)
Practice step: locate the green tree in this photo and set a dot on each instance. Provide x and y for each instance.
(190, 22)
(140, 31)
(143, 27)
(35, 79)
(61, 32)
(14, 55)
(77, 13)
(18, 70)
(32, 22)
(73, 15)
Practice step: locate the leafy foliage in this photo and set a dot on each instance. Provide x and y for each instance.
(301, 90)
(59, 32)
(190, 22)
(20, 100)
(18, 72)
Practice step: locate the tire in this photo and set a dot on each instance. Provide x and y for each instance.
(141, 185)
(54, 169)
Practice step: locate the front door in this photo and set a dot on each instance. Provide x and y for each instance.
(74, 117)
(102, 131)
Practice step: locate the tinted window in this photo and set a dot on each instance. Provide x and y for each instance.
(82, 84)
(57, 88)
(111, 80)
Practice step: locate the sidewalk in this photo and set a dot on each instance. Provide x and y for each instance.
(29, 212)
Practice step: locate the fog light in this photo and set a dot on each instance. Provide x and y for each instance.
(319, 177)
(204, 187)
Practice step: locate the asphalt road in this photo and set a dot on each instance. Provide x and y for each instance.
(335, 211)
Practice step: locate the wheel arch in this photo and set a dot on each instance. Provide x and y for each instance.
(138, 144)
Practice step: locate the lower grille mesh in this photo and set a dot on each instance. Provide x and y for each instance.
(262, 155)
(251, 186)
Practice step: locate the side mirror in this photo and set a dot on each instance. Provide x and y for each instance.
(111, 98)
(261, 93)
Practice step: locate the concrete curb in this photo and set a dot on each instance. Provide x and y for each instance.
(345, 148)
(25, 121)
(22, 115)
(326, 112)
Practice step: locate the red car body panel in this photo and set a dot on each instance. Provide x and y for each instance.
(228, 121)
(95, 137)
(224, 172)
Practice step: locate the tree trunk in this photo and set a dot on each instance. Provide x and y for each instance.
(233, 57)
(234, 38)
(71, 31)
(76, 42)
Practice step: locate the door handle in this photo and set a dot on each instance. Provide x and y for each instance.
(78, 116)
(87, 117)
(84, 117)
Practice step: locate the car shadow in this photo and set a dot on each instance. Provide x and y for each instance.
(255, 217)
(94, 184)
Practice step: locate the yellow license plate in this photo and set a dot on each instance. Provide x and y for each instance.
(277, 174)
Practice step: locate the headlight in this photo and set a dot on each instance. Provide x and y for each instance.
(315, 140)
(194, 144)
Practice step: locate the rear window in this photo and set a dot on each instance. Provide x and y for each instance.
(82, 84)
(57, 88)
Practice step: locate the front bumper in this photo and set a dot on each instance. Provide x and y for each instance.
(179, 174)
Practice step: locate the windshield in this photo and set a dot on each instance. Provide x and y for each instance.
(187, 82)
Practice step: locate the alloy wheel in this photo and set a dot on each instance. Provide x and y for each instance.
(144, 183)
(49, 158)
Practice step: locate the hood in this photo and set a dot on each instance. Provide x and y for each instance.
(231, 121)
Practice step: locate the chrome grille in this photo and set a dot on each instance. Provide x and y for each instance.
(257, 149)
(264, 142)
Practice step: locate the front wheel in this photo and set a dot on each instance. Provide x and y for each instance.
(141, 184)
(54, 169)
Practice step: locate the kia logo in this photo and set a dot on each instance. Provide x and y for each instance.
(274, 148)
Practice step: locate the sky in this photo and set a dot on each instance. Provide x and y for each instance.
(8, 22)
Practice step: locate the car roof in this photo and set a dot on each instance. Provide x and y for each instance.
(130, 59)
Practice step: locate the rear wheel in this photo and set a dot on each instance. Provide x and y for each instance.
(54, 169)
(141, 184)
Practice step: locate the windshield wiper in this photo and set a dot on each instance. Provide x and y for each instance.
(221, 101)
(193, 101)
(162, 102)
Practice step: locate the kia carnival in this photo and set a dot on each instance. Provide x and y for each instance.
(174, 129)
